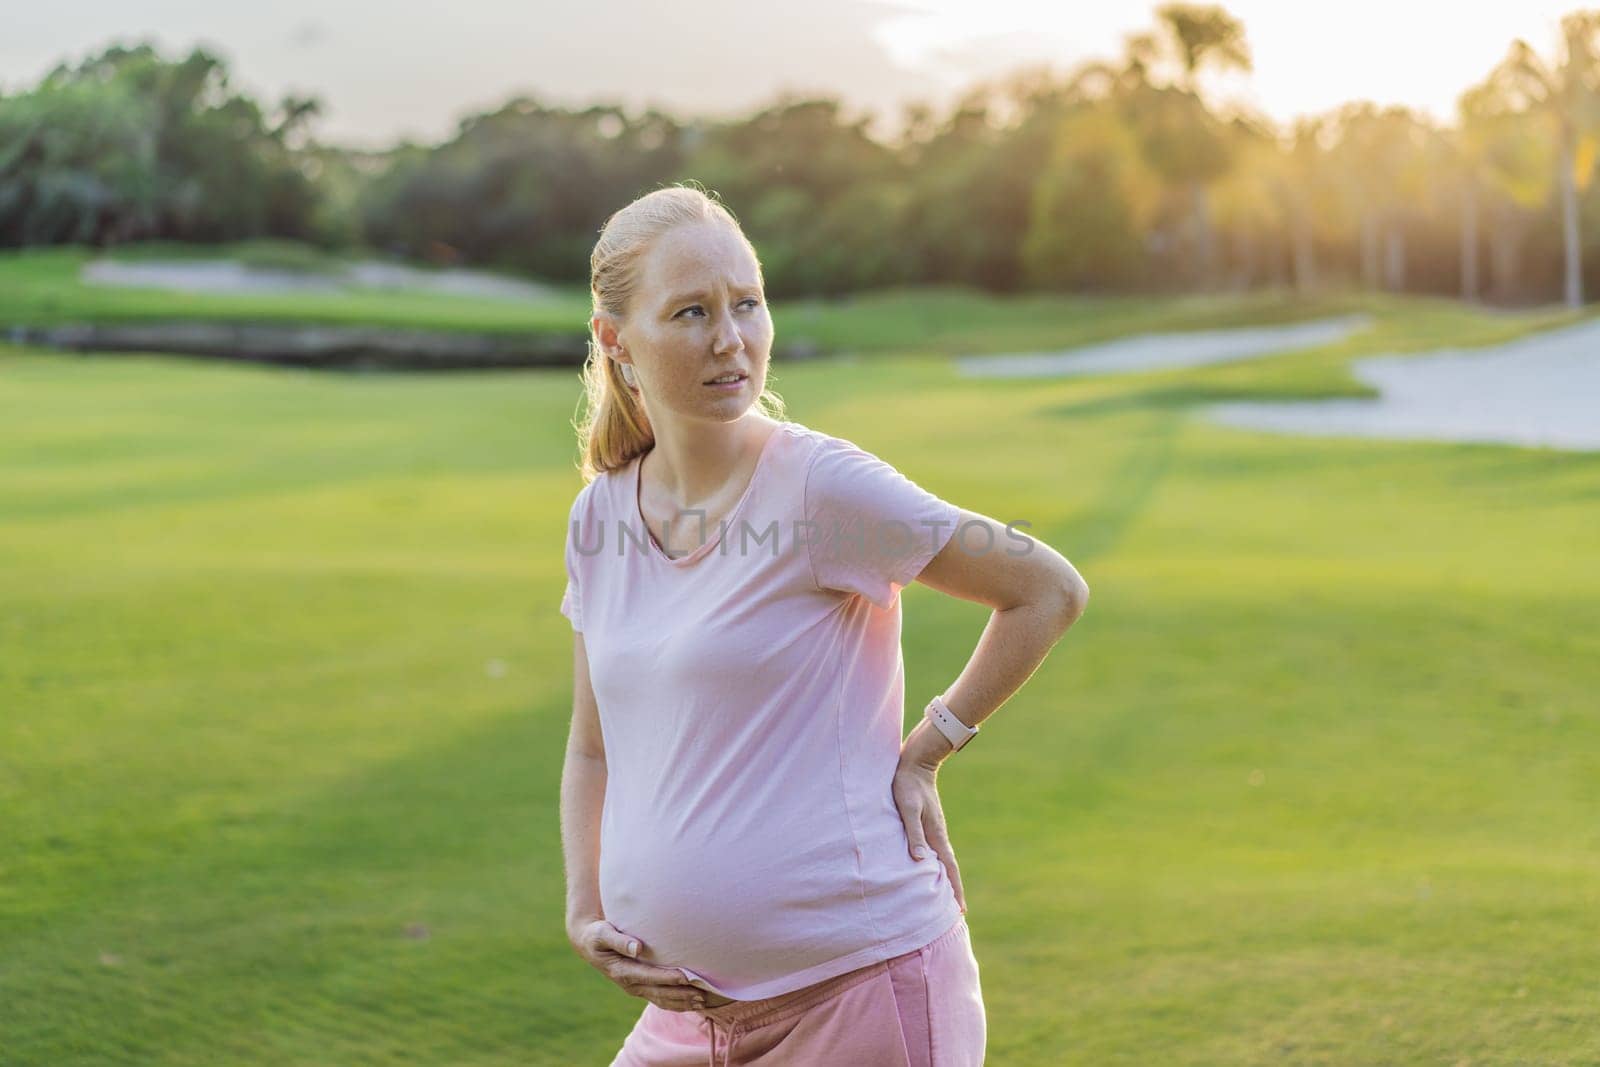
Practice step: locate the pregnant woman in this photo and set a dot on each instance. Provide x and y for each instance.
(751, 847)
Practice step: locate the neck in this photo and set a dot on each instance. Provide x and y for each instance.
(692, 463)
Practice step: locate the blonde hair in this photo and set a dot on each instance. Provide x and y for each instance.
(614, 428)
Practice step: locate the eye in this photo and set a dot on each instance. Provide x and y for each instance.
(753, 301)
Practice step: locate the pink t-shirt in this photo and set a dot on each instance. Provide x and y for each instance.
(752, 697)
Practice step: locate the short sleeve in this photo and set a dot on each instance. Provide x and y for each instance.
(873, 529)
(571, 602)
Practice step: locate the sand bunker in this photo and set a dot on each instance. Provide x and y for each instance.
(1540, 390)
(1158, 351)
(227, 276)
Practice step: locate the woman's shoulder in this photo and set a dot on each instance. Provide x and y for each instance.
(827, 457)
(589, 501)
(814, 443)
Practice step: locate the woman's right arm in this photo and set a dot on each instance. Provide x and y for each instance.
(583, 792)
(583, 796)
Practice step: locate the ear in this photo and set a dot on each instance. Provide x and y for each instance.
(605, 328)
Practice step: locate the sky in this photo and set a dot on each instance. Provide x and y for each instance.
(383, 76)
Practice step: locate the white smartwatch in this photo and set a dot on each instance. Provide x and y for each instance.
(955, 731)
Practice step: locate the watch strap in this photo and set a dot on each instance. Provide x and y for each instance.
(954, 730)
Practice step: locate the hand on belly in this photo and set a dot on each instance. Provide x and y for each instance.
(716, 1000)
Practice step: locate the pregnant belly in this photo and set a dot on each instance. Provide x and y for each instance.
(734, 913)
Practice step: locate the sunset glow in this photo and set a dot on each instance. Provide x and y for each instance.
(1389, 52)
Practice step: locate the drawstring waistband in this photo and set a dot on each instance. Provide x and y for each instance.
(727, 1049)
(742, 1016)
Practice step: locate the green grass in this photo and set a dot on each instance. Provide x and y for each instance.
(281, 674)
(42, 287)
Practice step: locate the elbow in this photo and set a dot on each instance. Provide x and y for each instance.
(1070, 600)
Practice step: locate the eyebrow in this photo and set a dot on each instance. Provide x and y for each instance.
(701, 294)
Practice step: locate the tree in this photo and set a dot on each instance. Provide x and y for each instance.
(1565, 91)
(525, 186)
(1204, 35)
(1314, 198)
(1090, 206)
(127, 145)
(1249, 203)
(1190, 37)
(1474, 117)
(1515, 168)
(1384, 159)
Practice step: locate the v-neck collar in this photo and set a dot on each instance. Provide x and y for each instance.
(727, 520)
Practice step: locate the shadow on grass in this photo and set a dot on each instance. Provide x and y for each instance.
(412, 912)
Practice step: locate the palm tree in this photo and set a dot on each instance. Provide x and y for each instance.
(1304, 163)
(1204, 35)
(1245, 203)
(1566, 91)
(1475, 112)
(1383, 159)
(1186, 141)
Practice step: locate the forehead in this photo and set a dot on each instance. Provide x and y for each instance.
(696, 255)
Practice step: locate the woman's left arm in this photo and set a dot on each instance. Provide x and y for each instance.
(1036, 596)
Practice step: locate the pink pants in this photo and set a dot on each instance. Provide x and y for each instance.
(922, 1009)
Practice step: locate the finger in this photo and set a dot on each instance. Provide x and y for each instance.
(947, 854)
(955, 884)
(931, 830)
(675, 998)
(916, 840)
(643, 975)
(620, 943)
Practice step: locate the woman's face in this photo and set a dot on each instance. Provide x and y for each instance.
(697, 313)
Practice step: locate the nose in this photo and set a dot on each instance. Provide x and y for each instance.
(727, 337)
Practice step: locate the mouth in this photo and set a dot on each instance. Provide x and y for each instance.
(733, 378)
